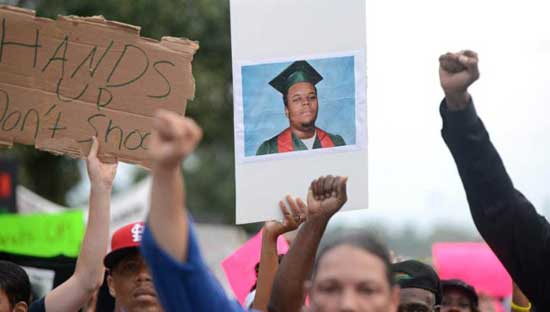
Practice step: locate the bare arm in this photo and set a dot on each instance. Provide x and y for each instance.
(174, 138)
(325, 197)
(269, 258)
(520, 302)
(88, 276)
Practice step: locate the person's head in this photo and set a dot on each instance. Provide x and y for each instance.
(297, 85)
(129, 280)
(458, 297)
(15, 288)
(353, 273)
(420, 286)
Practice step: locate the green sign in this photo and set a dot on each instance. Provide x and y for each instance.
(42, 235)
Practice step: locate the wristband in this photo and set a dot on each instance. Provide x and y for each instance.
(516, 307)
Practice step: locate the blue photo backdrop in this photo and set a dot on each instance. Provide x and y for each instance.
(263, 106)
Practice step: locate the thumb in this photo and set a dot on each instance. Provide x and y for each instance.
(469, 59)
(94, 148)
(342, 188)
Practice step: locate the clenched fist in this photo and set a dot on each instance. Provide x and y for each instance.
(457, 71)
(174, 138)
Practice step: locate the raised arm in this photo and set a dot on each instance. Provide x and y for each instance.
(169, 246)
(88, 275)
(269, 258)
(504, 217)
(174, 139)
(326, 196)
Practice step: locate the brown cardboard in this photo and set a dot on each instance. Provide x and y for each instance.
(63, 81)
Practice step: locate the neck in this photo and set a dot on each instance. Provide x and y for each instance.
(304, 133)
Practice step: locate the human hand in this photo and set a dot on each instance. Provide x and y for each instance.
(99, 173)
(292, 218)
(457, 71)
(326, 196)
(174, 138)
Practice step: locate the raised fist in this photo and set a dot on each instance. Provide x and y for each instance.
(457, 71)
(174, 138)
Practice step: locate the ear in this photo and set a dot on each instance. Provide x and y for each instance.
(394, 305)
(111, 285)
(286, 111)
(20, 307)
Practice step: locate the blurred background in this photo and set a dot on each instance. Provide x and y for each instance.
(415, 195)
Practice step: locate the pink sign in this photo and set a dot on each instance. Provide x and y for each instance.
(474, 263)
(239, 267)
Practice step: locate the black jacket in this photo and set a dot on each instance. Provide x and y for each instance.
(508, 222)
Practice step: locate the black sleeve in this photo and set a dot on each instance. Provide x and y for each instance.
(508, 222)
(38, 306)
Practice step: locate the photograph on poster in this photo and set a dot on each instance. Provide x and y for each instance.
(300, 105)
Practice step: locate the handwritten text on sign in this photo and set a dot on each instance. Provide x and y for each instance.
(63, 81)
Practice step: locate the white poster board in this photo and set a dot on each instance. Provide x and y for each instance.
(268, 37)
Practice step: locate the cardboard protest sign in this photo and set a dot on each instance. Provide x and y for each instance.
(42, 235)
(300, 109)
(474, 263)
(239, 267)
(63, 81)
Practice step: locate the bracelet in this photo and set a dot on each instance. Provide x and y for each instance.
(520, 308)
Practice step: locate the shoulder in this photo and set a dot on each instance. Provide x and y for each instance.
(268, 146)
(337, 139)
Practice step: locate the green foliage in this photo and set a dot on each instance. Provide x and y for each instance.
(210, 181)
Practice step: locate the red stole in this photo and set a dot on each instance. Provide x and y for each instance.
(284, 140)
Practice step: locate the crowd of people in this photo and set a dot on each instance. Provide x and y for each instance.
(157, 265)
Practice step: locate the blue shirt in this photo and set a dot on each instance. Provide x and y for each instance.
(38, 306)
(187, 286)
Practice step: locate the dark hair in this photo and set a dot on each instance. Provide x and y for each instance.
(285, 98)
(15, 283)
(361, 240)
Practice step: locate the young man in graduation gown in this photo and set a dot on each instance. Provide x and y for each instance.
(297, 84)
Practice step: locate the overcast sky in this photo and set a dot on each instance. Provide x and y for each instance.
(412, 175)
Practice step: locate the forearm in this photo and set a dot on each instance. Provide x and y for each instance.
(89, 265)
(504, 217)
(89, 270)
(288, 287)
(168, 217)
(269, 263)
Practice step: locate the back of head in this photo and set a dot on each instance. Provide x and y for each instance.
(362, 240)
(14, 281)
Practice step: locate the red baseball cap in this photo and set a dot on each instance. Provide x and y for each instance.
(124, 241)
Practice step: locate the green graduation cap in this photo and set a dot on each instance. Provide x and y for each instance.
(299, 71)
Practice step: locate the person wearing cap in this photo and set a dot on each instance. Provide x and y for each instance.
(507, 221)
(128, 278)
(297, 85)
(458, 296)
(420, 286)
(72, 294)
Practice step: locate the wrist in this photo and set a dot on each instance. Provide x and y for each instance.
(102, 187)
(165, 169)
(269, 239)
(457, 100)
(317, 221)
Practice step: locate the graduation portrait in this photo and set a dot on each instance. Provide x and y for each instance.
(298, 106)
